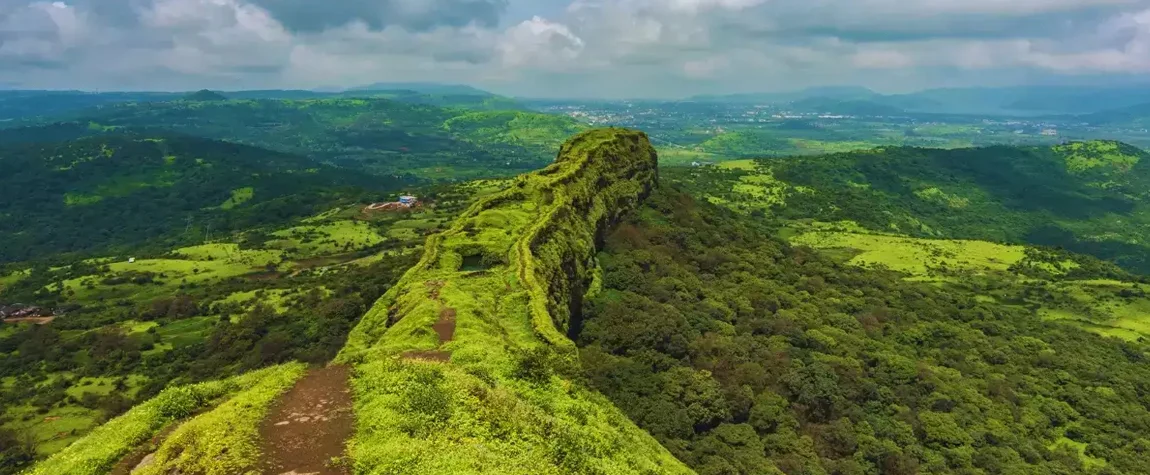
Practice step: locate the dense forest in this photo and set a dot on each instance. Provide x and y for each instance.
(380, 131)
(129, 190)
(1087, 197)
(744, 355)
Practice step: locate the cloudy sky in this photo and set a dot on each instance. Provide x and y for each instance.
(571, 48)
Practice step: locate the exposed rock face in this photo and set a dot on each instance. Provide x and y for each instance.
(443, 395)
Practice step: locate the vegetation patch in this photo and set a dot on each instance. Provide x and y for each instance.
(239, 197)
(917, 257)
(326, 239)
(1083, 156)
(225, 440)
(97, 452)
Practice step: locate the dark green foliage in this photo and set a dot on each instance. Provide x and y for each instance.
(205, 95)
(111, 192)
(1078, 197)
(385, 133)
(739, 352)
(14, 452)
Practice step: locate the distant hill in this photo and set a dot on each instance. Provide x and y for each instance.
(424, 88)
(843, 93)
(23, 104)
(377, 134)
(1088, 197)
(845, 107)
(1136, 115)
(1017, 100)
(205, 95)
(98, 193)
(461, 100)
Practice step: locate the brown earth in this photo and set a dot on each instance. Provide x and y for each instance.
(433, 355)
(36, 320)
(308, 427)
(143, 454)
(445, 327)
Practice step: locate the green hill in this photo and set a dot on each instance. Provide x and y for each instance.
(1132, 116)
(377, 134)
(205, 95)
(130, 189)
(464, 366)
(1087, 197)
(743, 354)
(589, 318)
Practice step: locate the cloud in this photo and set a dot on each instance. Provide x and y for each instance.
(567, 47)
(315, 16)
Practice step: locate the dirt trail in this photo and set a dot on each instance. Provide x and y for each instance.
(308, 427)
(142, 455)
(444, 327)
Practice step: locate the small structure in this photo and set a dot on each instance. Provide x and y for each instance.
(405, 202)
(26, 314)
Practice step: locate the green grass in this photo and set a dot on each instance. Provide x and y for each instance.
(326, 239)
(917, 257)
(1080, 449)
(97, 452)
(276, 298)
(239, 197)
(103, 386)
(1094, 305)
(185, 332)
(12, 278)
(485, 411)
(53, 430)
(225, 440)
(1097, 305)
(199, 265)
(1084, 156)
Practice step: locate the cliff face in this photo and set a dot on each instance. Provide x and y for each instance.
(465, 366)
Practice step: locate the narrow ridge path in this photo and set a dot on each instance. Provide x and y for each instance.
(444, 327)
(309, 426)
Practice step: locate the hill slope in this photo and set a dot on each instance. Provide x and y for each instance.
(745, 355)
(479, 327)
(1088, 197)
(97, 193)
(378, 134)
(464, 366)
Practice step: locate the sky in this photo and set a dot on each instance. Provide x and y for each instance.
(572, 48)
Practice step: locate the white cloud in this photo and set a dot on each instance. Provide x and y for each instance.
(539, 43)
(570, 47)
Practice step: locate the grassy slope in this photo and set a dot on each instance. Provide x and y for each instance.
(506, 401)
(1087, 197)
(325, 246)
(912, 237)
(98, 452)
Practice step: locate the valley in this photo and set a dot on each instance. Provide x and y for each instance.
(218, 277)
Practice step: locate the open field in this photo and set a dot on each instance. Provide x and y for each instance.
(917, 257)
(145, 279)
(326, 239)
(1108, 307)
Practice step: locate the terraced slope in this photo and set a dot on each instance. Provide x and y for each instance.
(464, 366)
